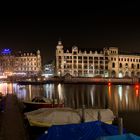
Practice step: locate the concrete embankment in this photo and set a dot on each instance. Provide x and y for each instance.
(12, 123)
(102, 80)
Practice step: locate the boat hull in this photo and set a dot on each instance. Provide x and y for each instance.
(34, 105)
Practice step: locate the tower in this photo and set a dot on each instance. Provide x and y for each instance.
(59, 58)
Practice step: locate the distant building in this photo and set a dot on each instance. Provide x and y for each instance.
(19, 63)
(48, 70)
(106, 63)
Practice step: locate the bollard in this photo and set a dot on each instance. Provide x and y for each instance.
(120, 126)
(99, 115)
(83, 114)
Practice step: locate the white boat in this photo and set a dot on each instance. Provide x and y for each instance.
(59, 116)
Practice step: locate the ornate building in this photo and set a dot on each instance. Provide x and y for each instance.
(20, 63)
(106, 63)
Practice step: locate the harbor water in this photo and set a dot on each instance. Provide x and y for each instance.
(123, 100)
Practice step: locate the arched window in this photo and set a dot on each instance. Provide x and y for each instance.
(113, 65)
(126, 65)
(132, 66)
(120, 65)
(138, 66)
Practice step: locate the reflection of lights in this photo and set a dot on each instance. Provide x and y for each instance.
(137, 89)
(3, 88)
(137, 92)
(30, 92)
(60, 91)
(120, 92)
(92, 95)
(9, 88)
(109, 90)
(49, 90)
(126, 97)
(137, 86)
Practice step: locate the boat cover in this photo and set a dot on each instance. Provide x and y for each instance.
(47, 117)
(128, 136)
(52, 116)
(92, 114)
(83, 131)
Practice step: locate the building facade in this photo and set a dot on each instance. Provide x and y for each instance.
(48, 70)
(106, 63)
(20, 64)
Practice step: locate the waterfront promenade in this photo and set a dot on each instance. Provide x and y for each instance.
(11, 120)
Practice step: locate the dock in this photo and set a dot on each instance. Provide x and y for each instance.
(11, 120)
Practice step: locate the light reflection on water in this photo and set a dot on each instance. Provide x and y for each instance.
(115, 97)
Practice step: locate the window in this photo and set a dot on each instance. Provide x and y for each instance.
(120, 65)
(132, 66)
(113, 65)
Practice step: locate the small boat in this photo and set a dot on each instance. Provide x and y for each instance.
(42, 102)
(59, 116)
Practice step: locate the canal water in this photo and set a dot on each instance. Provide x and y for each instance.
(123, 100)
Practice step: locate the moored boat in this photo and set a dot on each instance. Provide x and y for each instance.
(41, 102)
(59, 116)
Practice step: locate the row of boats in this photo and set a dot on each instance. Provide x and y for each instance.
(63, 123)
(44, 112)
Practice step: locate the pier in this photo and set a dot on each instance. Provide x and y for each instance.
(11, 120)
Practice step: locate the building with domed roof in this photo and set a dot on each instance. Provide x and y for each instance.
(108, 62)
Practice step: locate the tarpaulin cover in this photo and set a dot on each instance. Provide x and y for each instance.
(121, 137)
(83, 131)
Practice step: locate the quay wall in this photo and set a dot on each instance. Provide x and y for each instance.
(100, 80)
(88, 80)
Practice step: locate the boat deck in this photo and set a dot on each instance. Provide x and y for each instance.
(11, 120)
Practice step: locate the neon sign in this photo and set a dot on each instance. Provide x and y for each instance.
(6, 51)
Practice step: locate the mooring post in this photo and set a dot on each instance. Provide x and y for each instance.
(83, 113)
(120, 125)
(99, 115)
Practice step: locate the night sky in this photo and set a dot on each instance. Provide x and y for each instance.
(86, 25)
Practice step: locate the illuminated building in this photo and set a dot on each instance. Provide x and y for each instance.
(106, 63)
(19, 63)
(48, 70)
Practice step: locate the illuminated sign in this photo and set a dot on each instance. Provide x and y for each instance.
(6, 51)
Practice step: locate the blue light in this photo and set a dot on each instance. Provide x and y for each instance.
(6, 51)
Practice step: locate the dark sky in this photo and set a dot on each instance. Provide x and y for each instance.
(86, 25)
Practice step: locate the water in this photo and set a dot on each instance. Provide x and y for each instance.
(115, 97)
(123, 100)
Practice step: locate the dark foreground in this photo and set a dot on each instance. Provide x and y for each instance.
(131, 121)
(13, 126)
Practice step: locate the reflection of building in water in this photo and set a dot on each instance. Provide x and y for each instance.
(108, 62)
(122, 98)
(6, 88)
(19, 63)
